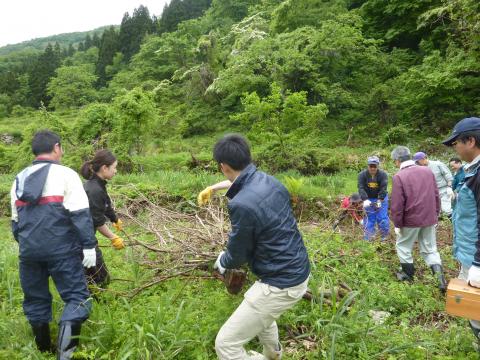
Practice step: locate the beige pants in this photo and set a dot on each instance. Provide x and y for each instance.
(427, 242)
(256, 316)
(463, 275)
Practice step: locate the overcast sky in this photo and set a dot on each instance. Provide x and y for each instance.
(22, 20)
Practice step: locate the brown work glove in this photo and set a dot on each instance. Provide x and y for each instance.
(234, 280)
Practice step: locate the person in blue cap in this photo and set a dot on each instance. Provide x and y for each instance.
(372, 187)
(443, 178)
(465, 139)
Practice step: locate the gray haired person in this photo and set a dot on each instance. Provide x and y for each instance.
(415, 206)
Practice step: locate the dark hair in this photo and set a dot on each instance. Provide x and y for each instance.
(234, 151)
(475, 134)
(355, 198)
(455, 160)
(102, 157)
(44, 141)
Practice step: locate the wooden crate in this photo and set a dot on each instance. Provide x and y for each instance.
(463, 300)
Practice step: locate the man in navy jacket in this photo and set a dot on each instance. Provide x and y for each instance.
(265, 235)
(51, 222)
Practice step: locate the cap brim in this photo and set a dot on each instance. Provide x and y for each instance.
(450, 140)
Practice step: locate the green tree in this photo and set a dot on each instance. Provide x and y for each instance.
(292, 14)
(135, 112)
(396, 21)
(180, 10)
(95, 125)
(40, 74)
(96, 40)
(281, 115)
(132, 31)
(88, 42)
(108, 49)
(72, 87)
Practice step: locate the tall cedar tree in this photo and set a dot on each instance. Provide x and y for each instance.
(43, 69)
(96, 40)
(178, 11)
(108, 48)
(132, 31)
(88, 42)
(71, 50)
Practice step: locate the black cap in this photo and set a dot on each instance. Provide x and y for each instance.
(464, 125)
(355, 198)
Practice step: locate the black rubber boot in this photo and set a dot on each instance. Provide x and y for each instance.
(408, 270)
(476, 333)
(66, 346)
(438, 271)
(41, 331)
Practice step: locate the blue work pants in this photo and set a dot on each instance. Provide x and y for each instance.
(376, 215)
(69, 279)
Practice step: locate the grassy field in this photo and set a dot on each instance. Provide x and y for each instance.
(180, 318)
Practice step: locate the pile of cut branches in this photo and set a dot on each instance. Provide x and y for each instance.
(173, 243)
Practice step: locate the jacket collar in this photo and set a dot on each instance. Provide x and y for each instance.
(240, 181)
(406, 164)
(98, 179)
(473, 166)
(40, 160)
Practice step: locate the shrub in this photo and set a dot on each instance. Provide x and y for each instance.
(397, 135)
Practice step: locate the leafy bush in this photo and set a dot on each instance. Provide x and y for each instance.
(397, 135)
(274, 159)
(95, 123)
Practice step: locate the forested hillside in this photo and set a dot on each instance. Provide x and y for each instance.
(366, 70)
(64, 40)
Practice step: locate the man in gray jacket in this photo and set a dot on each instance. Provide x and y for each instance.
(443, 177)
(415, 207)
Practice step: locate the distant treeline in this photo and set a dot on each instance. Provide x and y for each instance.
(25, 70)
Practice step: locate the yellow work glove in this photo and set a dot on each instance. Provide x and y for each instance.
(118, 225)
(117, 243)
(205, 196)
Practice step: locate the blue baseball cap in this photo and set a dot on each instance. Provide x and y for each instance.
(419, 156)
(373, 160)
(464, 125)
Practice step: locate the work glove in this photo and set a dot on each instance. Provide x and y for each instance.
(117, 243)
(118, 225)
(361, 222)
(474, 276)
(450, 193)
(204, 196)
(379, 203)
(218, 266)
(89, 258)
(398, 231)
(366, 203)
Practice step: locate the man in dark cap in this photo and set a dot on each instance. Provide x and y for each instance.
(465, 139)
(351, 205)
